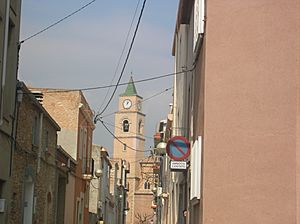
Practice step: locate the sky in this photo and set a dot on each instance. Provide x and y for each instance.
(83, 51)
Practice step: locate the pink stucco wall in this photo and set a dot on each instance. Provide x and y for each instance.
(250, 112)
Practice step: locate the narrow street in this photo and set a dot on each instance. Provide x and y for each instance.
(149, 112)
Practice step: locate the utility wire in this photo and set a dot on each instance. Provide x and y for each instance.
(125, 145)
(128, 160)
(120, 128)
(56, 23)
(126, 60)
(114, 85)
(123, 50)
(150, 97)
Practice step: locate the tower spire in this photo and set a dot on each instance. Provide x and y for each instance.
(130, 90)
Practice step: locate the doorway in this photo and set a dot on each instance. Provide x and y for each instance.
(28, 200)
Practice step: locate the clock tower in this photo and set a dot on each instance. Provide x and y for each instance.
(130, 141)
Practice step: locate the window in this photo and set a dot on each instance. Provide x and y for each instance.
(147, 185)
(35, 131)
(199, 19)
(84, 148)
(125, 126)
(1, 187)
(80, 143)
(92, 162)
(140, 127)
(89, 152)
(6, 45)
(161, 126)
(84, 151)
(46, 141)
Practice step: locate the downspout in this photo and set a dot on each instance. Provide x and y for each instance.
(14, 130)
(4, 56)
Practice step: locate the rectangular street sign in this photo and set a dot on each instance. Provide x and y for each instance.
(178, 165)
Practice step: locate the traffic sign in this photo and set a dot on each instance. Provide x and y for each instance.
(178, 165)
(178, 148)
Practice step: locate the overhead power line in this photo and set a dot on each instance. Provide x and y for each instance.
(57, 22)
(148, 98)
(126, 60)
(121, 55)
(125, 145)
(131, 132)
(120, 84)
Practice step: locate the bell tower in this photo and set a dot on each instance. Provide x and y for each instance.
(129, 143)
(129, 129)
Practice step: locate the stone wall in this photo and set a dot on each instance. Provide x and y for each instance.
(34, 163)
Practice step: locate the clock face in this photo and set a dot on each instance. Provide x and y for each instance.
(127, 104)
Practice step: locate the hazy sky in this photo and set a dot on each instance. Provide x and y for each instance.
(83, 51)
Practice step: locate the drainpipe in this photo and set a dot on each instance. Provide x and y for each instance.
(4, 56)
(18, 101)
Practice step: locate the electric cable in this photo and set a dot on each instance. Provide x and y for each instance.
(57, 22)
(53, 90)
(149, 98)
(126, 60)
(125, 145)
(128, 160)
(112, 125)
(123, 50)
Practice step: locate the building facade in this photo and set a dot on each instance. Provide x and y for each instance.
(9, 39)
(66, 168)
(34, 173)
(144, 195)
(72, 112)
(101, 205)
(241, 62)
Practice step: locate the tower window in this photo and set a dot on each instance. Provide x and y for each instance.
(125, 126)
(140, 127)
(147, 185)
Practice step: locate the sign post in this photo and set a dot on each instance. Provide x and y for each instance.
(178, 149)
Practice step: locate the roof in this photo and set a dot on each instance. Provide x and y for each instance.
(130, 90)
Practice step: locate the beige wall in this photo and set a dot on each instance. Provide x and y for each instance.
(133, 138)
(64, 108)
(250, 111)
(143, 209)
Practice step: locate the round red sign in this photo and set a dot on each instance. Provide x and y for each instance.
(178, 148)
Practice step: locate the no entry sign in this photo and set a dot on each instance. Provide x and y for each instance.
(178, 148)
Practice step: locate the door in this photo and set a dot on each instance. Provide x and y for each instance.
(28, 201)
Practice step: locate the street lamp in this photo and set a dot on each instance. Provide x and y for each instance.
(160, 149)
(98, 173)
